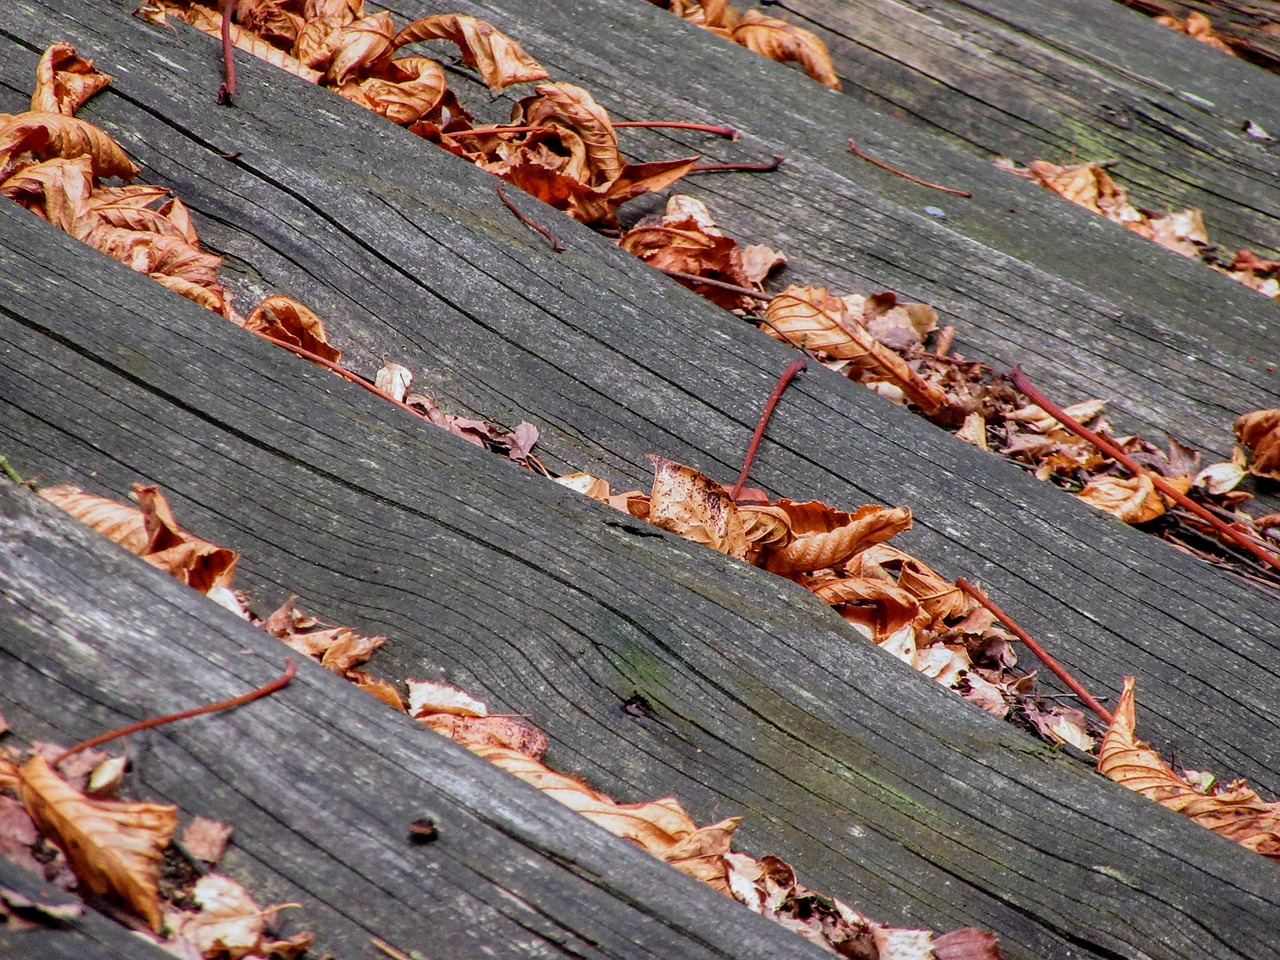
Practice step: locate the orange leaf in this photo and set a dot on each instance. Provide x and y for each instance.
(209, 20)
(500, 60)
(1132, 499)
(284, 318)
(362, 46)
(113, 848)
(65, 80)
(409, 88)
(824, 537)
(686, 502)
(27, 138)
(1236, 812)
(784, 42)
(1259, 431)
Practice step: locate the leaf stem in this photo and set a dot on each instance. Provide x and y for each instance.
(556, 246)
(718, 284)
(765, 167)
(227, 89)
(290, 668)
(7, 468)
(729, 132)
(1112, 450)
(496, 128)
(924, 183)
(789, 374)
(1059, 670)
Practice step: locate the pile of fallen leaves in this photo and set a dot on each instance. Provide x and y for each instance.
(560, 145)
(63, 822)
(1090, 186)
(661, 827)
(768, 36)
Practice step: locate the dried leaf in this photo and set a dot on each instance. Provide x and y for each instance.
(362, 46)
(229, 924)
(27, 138)
(65, 80)
(284, 318)
(824, 537)
(785, 42)
(1236, 812)
(206, 839)
(430, 696)
(409, 89)
(209, 20)
(687, 503)
(510, 733)
(661, 827)
(1259, 432)
(114, 848)
(500, 60)
(1132, 499)
(384, 690)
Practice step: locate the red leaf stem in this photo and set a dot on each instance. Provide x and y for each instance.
(1059, 670)
(729, 132)
(555, 244)
(290, 668)
(227, 89)
(1112, 450)
(789, 374)
(773, 164)
(718, 284)
(924, 183)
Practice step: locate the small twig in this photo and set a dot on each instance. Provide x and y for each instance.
(555, 244)
(1112, 450)
(718, 284)
(227, 89)
(729, 132)
(924, 183)
(392, 952)
(789, 374)
(773, 164)
(1075, 686)
(290, 668)
(947, 358)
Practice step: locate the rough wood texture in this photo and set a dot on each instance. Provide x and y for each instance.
(87, 937)
(1083, 80)
(321, 781)
(881, 786)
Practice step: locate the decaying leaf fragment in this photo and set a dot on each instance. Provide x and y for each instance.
(1233, 810)
(284, 318)
(698, 509)
(1259, 432)
(150, 532)
(113, 847)
(229, 925)
(686, 239)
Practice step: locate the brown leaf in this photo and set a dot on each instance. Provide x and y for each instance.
(284, 318)
(785, 42)
(209, 20)
(229, 924)
(687, 503)
(1236, 811)
(151, 533)
(270, 19)
(65, 80)
(500, 60)
(27, 138)
(661, 827)
(1132, 499)
(362, 46)
(408, 89)
(510, 733)
(1259, 432)
(824, 537)
(878, 608)
(596, 162)
(384, 690)
(1198, 27)
(206, 839)
(114, 848)
(428, 697)
(59, 190)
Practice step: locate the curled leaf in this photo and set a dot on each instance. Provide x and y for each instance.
(688, 503)
(113, 848)
(1235, 811)
(1132, 499)
(284, 318)
(65, 80)
(785, 42)
(1259, 432)
(500, 60)
(823, 537)
(27, 138)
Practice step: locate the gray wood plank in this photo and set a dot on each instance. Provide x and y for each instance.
(1077, 80)
(321, 782)
(883, 788)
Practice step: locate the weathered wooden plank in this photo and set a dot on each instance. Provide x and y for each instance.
(1084, 80)
(321, 783)
(411, 255)
(89, 936)
(882, 787)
